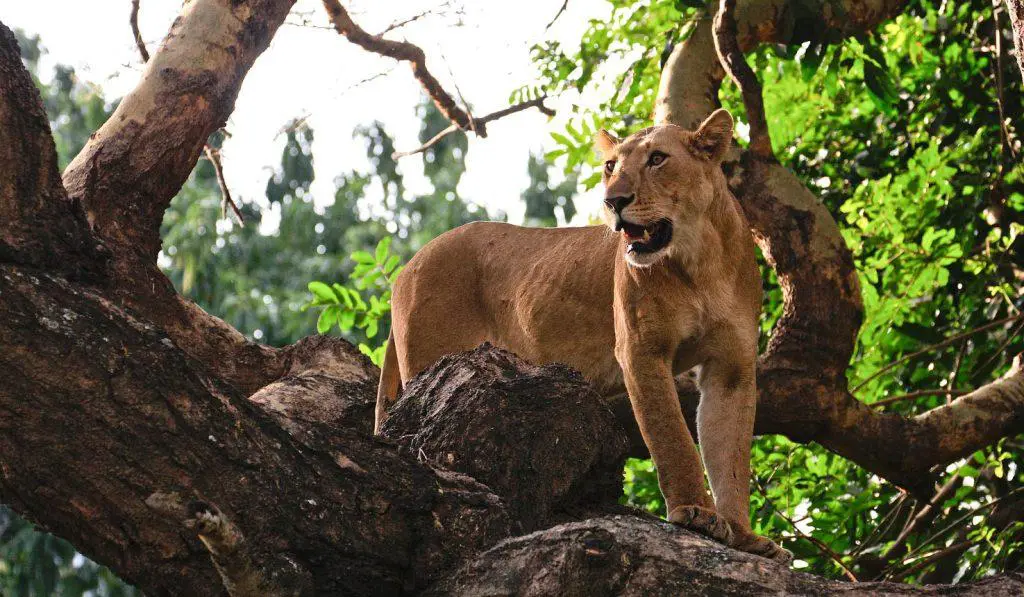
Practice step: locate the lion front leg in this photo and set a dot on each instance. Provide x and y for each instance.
(725, 426)
(652, 394)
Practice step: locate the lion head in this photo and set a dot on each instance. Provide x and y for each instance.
(660, 181)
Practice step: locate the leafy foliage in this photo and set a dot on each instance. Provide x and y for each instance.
(34, 563)
(373, 276)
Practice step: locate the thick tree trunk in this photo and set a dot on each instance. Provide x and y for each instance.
(131, 421)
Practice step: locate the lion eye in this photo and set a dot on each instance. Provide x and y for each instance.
(609, 166)
(656, 158)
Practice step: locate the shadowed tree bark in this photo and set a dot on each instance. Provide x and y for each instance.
(1016, 10)
(154, 436)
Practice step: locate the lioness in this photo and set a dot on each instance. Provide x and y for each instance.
(671, 283)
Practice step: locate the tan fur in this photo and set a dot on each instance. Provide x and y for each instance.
(633, 321)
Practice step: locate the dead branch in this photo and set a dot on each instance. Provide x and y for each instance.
(461, 118)
(942, 344)
(480, 122)
(134, 20)
(402, 51)
(561, 10)
(750, 88)
(213, 154)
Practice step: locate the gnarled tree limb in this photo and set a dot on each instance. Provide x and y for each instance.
(138, 160)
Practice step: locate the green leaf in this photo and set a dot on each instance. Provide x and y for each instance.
(371, 328)
(382, 249)
(342, 292)
(323, 292)
(362, 257)
(347, 320)
(328, 317)
(391, 264)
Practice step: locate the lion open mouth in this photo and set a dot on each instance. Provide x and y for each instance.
(645, 239)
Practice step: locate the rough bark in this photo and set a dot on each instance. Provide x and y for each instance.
(123, 413)
(41, 226)
(528, 432)
(132, 167)
(1016, 10)
(627, 556)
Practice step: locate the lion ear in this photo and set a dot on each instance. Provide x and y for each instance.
(605, 141)
(713, 136)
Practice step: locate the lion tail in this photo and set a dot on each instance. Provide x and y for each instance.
(390, 381)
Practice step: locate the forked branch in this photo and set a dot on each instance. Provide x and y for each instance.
(478, 123)
(404, 51)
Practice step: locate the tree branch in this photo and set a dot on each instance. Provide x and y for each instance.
(39, 225)
(735, 64)
(461, 119)
(138, 160)
(1016, 10)
(304, 485)
(402, 51)
(482, 121)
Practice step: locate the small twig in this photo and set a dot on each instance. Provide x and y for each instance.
(565, 4)
(134, 20)
(825, 549)
(935, 346)
(406, 21)
(369, 79)
(404, 51)
(735, 64)
(213, 155)
(920, 394)
(932, 558)
(923, 515)
(959, 520)
(999, 351)
(534, 103)
(292, 126)
(951, 381)
(882, 527)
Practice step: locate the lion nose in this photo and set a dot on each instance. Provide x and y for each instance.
(618, 203)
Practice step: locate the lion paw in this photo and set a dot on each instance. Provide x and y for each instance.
(764, 547)
(702, 520)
